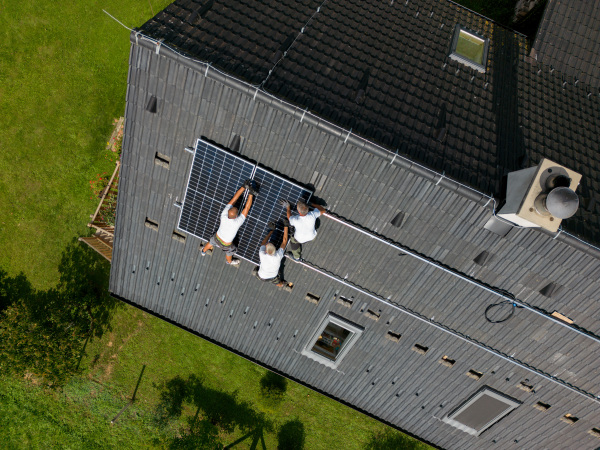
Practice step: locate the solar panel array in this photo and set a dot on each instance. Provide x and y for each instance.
(266, 208)
(214, 178)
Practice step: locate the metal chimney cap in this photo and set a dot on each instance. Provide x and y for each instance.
(562, 202)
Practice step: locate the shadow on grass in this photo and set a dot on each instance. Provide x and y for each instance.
(393, 440)
(273, 386)
(13, 289)
(215, 411)
(291, 436)
(43, 332)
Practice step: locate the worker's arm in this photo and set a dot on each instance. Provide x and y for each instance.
(247, 206)
(285, 238)
(286, 224)
(237, 196)
(266, 239)
(319, 207)
(288, 209)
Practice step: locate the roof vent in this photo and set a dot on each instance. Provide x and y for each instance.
(541, 196)
(283, 48)
(549, 290)
(235, 144)
(151, 106)
(482, 258)
(397, 221)
(362, 86)
(201, 11)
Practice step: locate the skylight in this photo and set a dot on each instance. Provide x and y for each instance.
(469, 48)
(332, 340)
(481, 411)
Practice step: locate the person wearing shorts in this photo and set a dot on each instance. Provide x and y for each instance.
(304, 225)
(230, 223)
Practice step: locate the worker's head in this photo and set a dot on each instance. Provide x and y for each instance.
(270, 249)
(302, 208)
(233, 213)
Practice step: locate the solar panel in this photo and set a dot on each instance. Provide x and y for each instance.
(265, 209)
(214, 178)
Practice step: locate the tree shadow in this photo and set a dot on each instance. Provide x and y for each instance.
(43, 331)
(273, 386)
(291, 436)
(220, 409)
(13, 289)
(392, 440)
(84, 276)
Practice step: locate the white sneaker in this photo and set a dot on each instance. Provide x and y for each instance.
(234, 262)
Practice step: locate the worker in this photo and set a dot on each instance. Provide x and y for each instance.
(303, 223)
(270, 258)
(230, 224)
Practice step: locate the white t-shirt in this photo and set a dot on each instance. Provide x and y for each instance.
(269, 264)
(229, 227)
(305, 226)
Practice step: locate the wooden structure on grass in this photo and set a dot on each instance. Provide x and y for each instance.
(102, 240)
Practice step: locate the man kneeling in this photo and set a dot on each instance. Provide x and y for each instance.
(270, 257)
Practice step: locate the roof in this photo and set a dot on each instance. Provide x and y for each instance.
(381, 70)
(423, 303)
(568, 39)
(423, 280)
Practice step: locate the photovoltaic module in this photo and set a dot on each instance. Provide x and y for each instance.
(215, 176)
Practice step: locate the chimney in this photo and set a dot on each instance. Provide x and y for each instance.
(541, 196)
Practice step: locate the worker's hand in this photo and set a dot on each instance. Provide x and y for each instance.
(247, 184)
(271, 226)
(283, 202)
(253, 189)
(286, 222)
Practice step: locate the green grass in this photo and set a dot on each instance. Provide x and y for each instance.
(116, 360)
(79, 415)
(78, 418)
(63, 72)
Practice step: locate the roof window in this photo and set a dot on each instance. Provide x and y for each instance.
(469, 48)
(333, 339)
(481, 411)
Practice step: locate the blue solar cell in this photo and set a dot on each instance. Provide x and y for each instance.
(214, 178)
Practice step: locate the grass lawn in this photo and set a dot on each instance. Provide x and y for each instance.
(63, 72)
(79, 415)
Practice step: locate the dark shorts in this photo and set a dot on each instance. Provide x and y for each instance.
(275, 280)
(228, 249)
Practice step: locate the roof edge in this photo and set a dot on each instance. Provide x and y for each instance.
(142, 40)
(272, 369)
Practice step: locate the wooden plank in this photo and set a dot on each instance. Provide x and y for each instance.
(105, 192)
(98, 246)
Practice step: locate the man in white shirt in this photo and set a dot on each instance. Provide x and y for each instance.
(304, 224)
(230, 224)
(270, 258)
